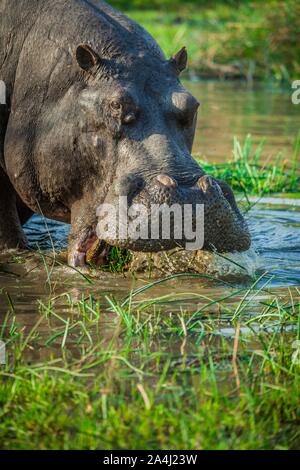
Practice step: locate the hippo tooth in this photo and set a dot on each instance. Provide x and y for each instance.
(78, 259)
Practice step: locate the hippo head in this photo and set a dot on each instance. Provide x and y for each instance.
(137, 125)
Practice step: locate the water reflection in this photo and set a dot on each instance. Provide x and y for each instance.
(232, 109)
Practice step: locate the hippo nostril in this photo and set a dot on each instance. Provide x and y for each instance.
(166, 180)
(204, 183)
(207, 183)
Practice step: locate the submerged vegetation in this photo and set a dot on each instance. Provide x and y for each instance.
(261, 38)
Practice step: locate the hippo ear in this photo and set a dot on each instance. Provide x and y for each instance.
(86, 57)
(179, 60)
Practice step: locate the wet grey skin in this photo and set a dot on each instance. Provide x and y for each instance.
(94, 110)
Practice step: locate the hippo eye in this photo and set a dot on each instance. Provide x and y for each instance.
(116, 105)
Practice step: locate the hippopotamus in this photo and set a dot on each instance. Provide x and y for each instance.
(94, 111)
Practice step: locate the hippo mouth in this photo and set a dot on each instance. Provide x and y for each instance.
(224, 228)
(90, 251)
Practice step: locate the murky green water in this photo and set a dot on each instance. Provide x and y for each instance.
(233, 109)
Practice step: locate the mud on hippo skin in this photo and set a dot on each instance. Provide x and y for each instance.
(102, 113)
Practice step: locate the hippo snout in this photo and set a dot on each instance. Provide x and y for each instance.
(161, 214)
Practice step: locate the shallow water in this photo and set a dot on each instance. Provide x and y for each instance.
(30, 282)
(234, 109)
(276, 237)
(276, 234)
(228, 109)
(275, 229)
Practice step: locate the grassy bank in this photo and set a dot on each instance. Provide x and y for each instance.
(159, 377)
(234, 39)
(247, 173)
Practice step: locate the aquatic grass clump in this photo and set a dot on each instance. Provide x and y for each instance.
(148, 382)
(60, 411)
(118, 260)
(248, 173)
(193, 369)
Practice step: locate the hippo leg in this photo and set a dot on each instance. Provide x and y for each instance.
(11, 233)
(23, 211)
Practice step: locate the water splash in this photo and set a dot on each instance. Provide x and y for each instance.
(237, 264)
(275, 229)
